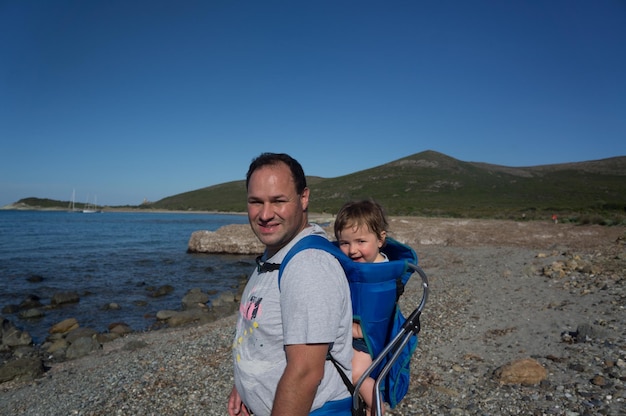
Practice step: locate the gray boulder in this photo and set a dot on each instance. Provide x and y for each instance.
(21, 369)
(62, 298)
(11, 336)
(81, 347)
(230, 239)
(195, 298)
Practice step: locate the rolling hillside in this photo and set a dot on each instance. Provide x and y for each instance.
(433, 184)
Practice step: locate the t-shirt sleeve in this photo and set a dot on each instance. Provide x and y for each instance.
(314, 297)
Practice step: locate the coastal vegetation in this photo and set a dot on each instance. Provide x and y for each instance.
(436, 185)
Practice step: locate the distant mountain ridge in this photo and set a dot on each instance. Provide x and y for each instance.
(432, 183)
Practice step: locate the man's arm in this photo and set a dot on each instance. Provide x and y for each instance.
(298, 384)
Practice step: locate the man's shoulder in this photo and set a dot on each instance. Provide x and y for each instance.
(314, 255)
(311, 230)
(315, 265)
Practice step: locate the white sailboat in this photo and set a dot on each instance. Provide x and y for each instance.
(91, 209)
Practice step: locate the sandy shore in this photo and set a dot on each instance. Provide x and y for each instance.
(500, 291)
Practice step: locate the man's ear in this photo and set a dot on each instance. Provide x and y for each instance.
(304, 199)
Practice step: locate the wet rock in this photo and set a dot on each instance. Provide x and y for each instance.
(162, 291)
(32, 313)
(224, 298)
(112, 307)
(225, 304)
(187, 317)
(62, 298)
(77, 333)
(24, 351)
(64, 326)
(195, 298)
(164, 315)
(31, 301)
(10, 309)
(120, 328)
(35, 278)
(56, 346)
(12, 337)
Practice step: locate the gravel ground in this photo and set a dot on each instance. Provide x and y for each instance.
(500, 291)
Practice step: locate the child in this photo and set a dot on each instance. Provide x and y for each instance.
(360, 230)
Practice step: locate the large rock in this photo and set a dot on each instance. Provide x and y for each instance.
(64, 326)
(82, 347)
(180, 318)
(195, 298)
(230, 239)
(81, 332)
(62, 298)
(162, 291)
(525, 371)
(11, 336)
(31, 313)
(31, 301)
(26, 368)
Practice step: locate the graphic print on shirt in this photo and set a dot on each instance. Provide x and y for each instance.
(251, 308)
(249, 311)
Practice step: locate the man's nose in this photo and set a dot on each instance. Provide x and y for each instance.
(267, 212)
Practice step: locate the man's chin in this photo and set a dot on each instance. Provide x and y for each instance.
(268, 239)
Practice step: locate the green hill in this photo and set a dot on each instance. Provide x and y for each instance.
(433, 184)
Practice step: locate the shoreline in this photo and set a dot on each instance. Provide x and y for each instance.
(12, 207)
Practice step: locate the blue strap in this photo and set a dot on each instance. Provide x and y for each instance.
(341, 407)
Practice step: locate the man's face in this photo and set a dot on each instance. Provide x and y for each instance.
(275, 211)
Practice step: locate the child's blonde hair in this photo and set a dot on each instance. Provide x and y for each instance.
(356, 214)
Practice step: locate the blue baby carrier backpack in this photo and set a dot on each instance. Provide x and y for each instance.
(391, 338)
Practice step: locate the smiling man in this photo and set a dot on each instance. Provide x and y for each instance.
(284, 334)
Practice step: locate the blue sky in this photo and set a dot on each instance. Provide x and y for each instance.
(126, 100)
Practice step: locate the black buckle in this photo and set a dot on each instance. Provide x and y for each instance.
(263, 267)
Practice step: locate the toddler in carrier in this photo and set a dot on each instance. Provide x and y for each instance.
(360, 230)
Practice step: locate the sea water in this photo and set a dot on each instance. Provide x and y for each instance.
(108, 257)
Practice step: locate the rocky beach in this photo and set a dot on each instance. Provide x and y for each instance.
(524, 318)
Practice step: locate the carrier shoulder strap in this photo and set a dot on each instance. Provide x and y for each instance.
(321, 243)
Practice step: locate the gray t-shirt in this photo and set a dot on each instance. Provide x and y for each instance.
(312, 306)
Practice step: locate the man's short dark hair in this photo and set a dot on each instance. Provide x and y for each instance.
(266, 159)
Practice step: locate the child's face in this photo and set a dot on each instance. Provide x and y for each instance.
(361, 244)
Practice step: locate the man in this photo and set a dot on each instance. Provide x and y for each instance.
(284, 334)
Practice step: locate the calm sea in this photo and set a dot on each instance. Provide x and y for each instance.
(108, 257)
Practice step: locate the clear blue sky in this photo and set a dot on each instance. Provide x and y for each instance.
(129, 100)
